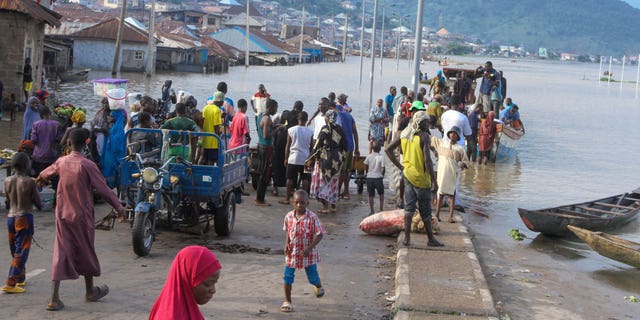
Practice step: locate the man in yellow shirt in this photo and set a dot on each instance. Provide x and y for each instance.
(417, 173)
(212, 116)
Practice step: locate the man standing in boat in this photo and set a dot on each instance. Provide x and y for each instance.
(490, 81)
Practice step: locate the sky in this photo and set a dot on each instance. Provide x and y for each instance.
(633, 3)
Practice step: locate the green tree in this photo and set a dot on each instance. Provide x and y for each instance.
(456, 48)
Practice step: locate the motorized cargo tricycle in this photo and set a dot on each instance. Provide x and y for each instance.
(164, 187)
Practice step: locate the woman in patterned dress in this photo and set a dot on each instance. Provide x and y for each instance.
(329, 152)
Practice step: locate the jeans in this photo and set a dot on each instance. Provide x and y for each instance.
(413, 194)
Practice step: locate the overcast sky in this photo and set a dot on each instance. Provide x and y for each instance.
(633, 3)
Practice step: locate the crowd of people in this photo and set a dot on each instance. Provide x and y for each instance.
(429, 137)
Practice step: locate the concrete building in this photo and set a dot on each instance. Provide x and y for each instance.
(94, 47)
(22, 24)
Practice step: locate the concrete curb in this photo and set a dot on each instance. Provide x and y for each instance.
(403, 290)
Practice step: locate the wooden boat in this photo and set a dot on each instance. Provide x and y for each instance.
(507, 139)
(602, 214)
(74, 76)
(610, 246)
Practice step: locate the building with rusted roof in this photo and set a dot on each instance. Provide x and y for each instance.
(181, 49)
(22, 23)
(94, 47)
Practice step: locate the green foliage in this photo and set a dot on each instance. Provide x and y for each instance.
(458, 49)
(580, 26)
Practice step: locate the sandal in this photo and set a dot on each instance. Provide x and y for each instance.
(323, 211)
(318, 291)
(55, 306)
(262, 204)
(284, 202)
(98, 293)
(286, 307)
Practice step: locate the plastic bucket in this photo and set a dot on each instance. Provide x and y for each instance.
(117, 98)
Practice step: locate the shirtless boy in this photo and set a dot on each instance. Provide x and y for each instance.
(22, 196)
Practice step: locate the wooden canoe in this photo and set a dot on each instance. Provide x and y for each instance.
(598, 215)
(610, 246)
(74, 76)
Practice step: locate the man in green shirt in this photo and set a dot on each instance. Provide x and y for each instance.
(181, 123)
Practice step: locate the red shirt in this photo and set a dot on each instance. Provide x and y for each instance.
(239, 129)
(301, 232)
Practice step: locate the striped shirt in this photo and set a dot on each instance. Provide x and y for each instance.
(301, 232)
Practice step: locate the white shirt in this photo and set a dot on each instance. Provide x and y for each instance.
(375, 161)
(455, 118)
(300, 144)
(318, 123)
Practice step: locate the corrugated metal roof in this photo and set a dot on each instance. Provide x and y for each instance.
(241, 20)
(32, 9)
(217, 48)
(109, 30)
(235, 37)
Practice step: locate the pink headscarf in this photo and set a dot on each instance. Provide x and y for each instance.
(191, 266)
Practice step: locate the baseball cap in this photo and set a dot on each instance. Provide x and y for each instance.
(218, 96)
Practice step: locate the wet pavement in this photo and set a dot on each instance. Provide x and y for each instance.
(357, 270)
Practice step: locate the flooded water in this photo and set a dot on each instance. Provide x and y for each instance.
(580, 143)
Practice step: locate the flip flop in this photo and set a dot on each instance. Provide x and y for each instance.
(55, 306)
(284, 202)
(262, 204)
(98, 293)
(286, 307)
(319, 292)
(323, 211)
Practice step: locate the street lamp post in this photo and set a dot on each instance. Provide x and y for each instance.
(417, 52)
(382, 42)
(362, 41)
(373, 52)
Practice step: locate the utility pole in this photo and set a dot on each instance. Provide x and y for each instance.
(417, 54)
(116, 56)
(301, 36)
(362, 42)
(382, 42)
(344, 38)
(246, 54)
(150, 59)
(373, 52)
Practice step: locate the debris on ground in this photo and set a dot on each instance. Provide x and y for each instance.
(517, 235)
(237, 248)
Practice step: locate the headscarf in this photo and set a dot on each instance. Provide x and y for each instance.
(441, 77)
(191, 266)
(26, 146)
(414, 126)
(31, 115)
(488, 125)
(331, 117)
(78, 117)
(42, 94)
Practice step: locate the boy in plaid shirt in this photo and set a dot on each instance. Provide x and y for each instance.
(304, 232)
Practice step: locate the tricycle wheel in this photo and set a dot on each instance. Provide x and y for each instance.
(143, 233)
(360, 184)
(225, 217)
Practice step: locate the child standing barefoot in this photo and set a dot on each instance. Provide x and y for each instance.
(22, 195)
(450, 156)
(374, 163)
(304, 232)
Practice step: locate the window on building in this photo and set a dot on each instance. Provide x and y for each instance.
(138, 55)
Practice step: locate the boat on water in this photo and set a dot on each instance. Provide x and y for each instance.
(74, 76)
(507, 139)
(598, 215)
(610, 246)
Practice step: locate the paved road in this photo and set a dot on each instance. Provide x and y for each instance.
(357, 270)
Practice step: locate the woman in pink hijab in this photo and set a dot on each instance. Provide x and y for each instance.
(191, 282)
